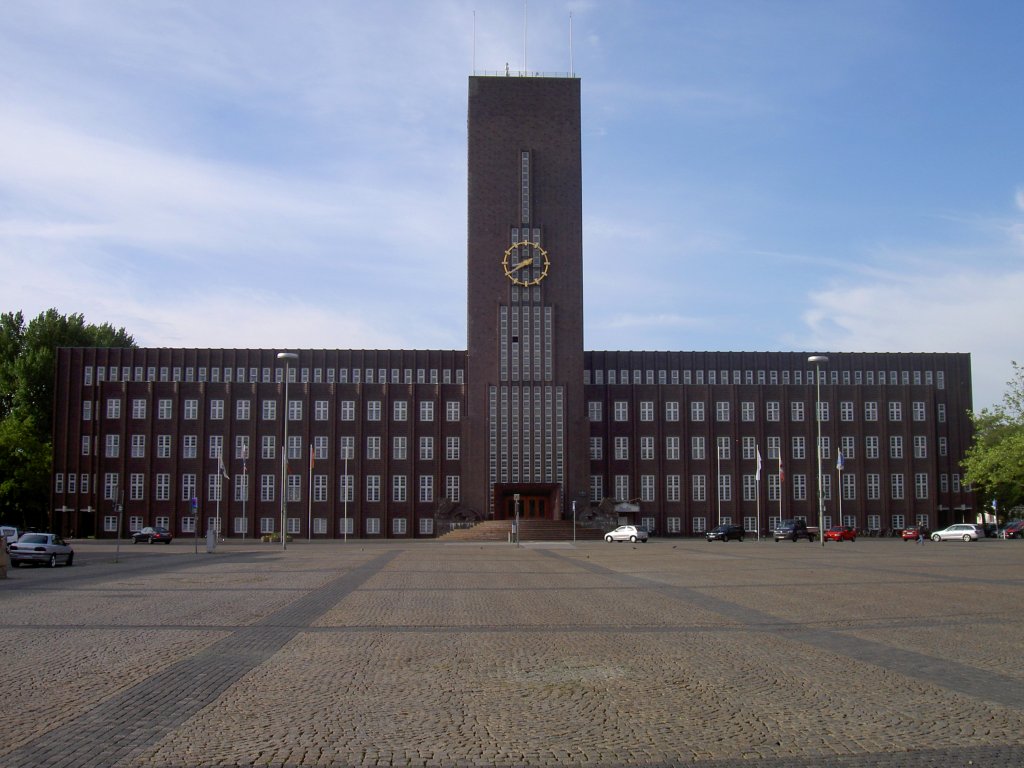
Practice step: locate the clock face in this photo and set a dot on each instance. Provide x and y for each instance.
(526, 263)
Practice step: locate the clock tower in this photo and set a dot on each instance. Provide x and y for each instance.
(526, 432)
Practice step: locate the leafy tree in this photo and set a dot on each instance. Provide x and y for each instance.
(27, 358)
(994, 463)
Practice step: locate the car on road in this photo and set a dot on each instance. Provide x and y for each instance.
(41, 548)
(962, 531)
(9, 534)
(627, 533)
(152, 534)
(911, 533)
(841, 533)
(1012, 530)
(725, 532)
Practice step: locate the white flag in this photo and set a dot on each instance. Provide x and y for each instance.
(757, 475)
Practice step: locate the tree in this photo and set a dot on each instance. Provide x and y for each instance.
(27, 359)
(994, 464)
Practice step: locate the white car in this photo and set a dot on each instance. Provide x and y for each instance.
(627, 533)
(964, 531)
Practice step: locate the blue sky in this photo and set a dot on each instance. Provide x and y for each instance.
(784, 175)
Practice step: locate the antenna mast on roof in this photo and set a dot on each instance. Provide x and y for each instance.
(474, 41)
(524, 37)
(571, 70)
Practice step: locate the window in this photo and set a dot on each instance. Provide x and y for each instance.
(647, 488)
(846, 410)
(895, 410)
(596, 488)
(426, 526)
(373, 447)
(452, 450)
(452, 410)
(871, 446)
(373, 526)
(596, 449)
(163, 446)
(426, 487)
(697, 411)
(398, 488)
(188, 487)
(796, 410)
(373, 488)
(451, 487)
(722, 410)
(621, 410)
(426, 452)
(870, 410)
(672, 411)
(242, 410)
(725, 487)
(622, 449)
(772, 410)
(622, 487)
(799, 487)
(426, 410)
(940, 409)
(672, 448)
(138, 408)
(943, 446)
(774, 447)
(267, 489)
(163, 411)
(347, 410)
(400, 410)
(113, 408)
(921, 486)
(269, 410)
(268, 446)
(398, 526)
(320, 411)
(749, 487)
(347, 448)
(294, 410)
(646, 410)
(163, 486)
(749, 448)
(747, 410)
(700, 491)
(138, 446)
(799, 448)
(895, 447)
(697, 448)
(874, 486)
(109, 523)
(295, 447)
(113, 446)
(848, 447)
(646, 448)
(594, 410)
(896, 484)
(216, 410)
(216, 446)
(823, 411)
(724, 448)
(849, 486)
(241, 488)
(189, 446)
(918, 410)
(920, 447)
(191, 412)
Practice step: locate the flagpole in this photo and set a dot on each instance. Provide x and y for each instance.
(245, 491)
(757, 490)
(718, 479)
(781, 483)
(839, 467)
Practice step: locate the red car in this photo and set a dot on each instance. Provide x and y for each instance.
(841, 533)
(910, 534)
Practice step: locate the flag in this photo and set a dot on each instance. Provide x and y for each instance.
(311, 460)
(782, 474)
(221, 468)
(757, 474)
(839, 462)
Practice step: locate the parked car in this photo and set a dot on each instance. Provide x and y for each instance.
(42, 548)
(793, 530)
(841, 533)
(153, 534)
(725, 532)
(9, 534)
(1012, 530)
(911, 534)
(627, 533)
(965, 531)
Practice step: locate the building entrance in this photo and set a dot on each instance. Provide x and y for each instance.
(536, 502)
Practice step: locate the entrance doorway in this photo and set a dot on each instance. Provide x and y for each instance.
(536, 502)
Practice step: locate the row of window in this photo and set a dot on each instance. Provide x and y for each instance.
(798, 376)
(620, 410)
(273, 375)
(749, 483)
(268, 447)
(621, 447)
(399, 487)
(240, 525)
(321, 409)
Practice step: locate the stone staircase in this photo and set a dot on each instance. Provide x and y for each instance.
(529, 530)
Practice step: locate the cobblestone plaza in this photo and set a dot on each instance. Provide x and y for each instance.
(873, 653)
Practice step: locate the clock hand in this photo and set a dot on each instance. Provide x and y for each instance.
(523, 263)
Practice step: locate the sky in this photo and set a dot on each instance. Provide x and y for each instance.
(768, 175)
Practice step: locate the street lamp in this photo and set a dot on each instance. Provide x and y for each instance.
(288, 357)
(818, 360)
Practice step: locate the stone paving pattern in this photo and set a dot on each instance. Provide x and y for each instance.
(677, 652)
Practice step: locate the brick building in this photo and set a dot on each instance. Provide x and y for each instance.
(399, 443)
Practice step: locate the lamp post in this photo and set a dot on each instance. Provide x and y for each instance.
(818, 360)
(288, 357)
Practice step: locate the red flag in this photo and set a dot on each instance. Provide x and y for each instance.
(782, 474)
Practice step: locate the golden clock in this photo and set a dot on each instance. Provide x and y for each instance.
(526, 263)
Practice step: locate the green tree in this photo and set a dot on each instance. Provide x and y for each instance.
(994, 464)
(27, 358)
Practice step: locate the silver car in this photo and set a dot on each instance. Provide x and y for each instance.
(627, 533)
(964, 531)
(44, 548)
